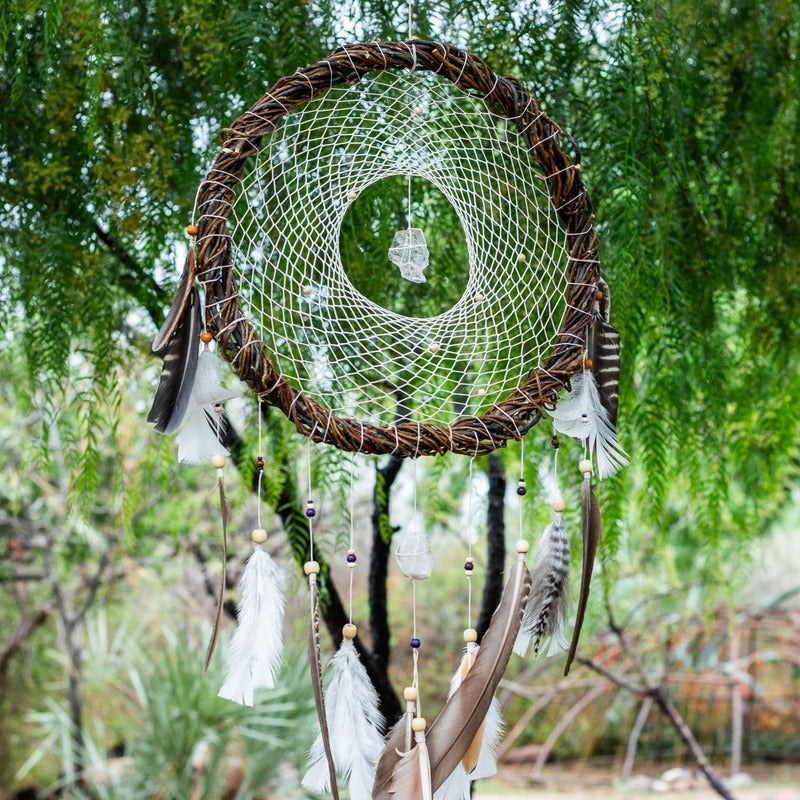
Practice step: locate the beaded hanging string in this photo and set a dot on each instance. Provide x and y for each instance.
(256, 649)
(351, 706)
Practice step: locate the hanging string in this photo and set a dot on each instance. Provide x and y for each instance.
(310, 509)
(470, 532)
(555, 443)
(260, 469)
(351, 552)
(521, 488)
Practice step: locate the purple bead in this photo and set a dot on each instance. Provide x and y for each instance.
(310, 512)
(351, 558)
(521, 491)
(469, 566)
(415, 643)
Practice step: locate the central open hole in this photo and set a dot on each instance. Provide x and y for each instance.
(368, 231)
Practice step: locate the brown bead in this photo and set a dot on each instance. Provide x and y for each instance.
(192, 230)
(587, 364)
(205, 337)
(259, 463)
(554, 441)
(598, 295)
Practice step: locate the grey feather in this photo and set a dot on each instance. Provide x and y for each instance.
(604, 353)
(180, 366)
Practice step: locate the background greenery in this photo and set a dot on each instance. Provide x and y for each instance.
(688, 117)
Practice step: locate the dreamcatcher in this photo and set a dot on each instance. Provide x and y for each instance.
(530, 321)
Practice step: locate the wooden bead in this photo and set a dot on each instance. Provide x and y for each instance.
(218, 461)
(352, 195)
(205, 337)
(558, 504)
(418, 724)
(410, 694)
(192, 230)
(470, 635)
(585, 466)
(311, 568)
(521, 258)
(259, 536)
(349, 631)
(598, 295)
(522, 546)
(587, 364)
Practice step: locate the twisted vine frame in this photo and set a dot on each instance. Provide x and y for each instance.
(238, 342)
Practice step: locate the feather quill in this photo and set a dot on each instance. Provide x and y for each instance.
(546, 610)
(223, 581)
(178, 372)
(351, 705)
(397, 741)
(411, 779)
(255, 651)
(590, 513)
(583, 416)
(315, 662)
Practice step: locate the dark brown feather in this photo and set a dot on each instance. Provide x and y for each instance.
(315, 662)
(452, 732)
(604, 353)
(223, 508)
(178, 372)
(178, 306)
(590, 512)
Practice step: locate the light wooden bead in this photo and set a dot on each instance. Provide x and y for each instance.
(352, 196)
(470, 635)
(259, 536)
(521, 258)
(585, 466)
(218, 461)
(558, 504)
(205, 337)
(410, 694)
(349, 631)
(311, 568)
(418, 724)
(522, 546)
(192, 230)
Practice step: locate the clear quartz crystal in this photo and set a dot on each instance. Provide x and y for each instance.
(409, 251)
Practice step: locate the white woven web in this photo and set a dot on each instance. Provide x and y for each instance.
(359, 357)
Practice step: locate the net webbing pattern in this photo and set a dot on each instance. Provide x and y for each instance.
(281, 302)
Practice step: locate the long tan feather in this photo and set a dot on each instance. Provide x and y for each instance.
(315, 662)
(411, 779)
(590, 511)
(178, 306)
(470, 760)
(452, 732)
(223, 507)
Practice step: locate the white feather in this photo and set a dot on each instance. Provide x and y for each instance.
(207, 389)
(457, 785)
(595, 429)
(197, 439)
(355, 724)
(414, 556)
(254, 654)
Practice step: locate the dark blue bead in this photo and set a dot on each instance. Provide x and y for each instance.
(310, 512)
(415, 643)
(521, 491)
(351, 558)
(469, 566)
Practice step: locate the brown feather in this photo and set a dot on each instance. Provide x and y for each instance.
(590, 512)
(470, 760)
(223, 507)
(452, 732)
(604, 353)
(396, 743)
(179, 370)
(178, 306)
(315, 662)
(411, 779)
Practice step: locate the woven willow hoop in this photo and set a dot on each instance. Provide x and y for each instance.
(238, 341)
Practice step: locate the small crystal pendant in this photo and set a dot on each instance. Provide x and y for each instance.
(409, 251)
